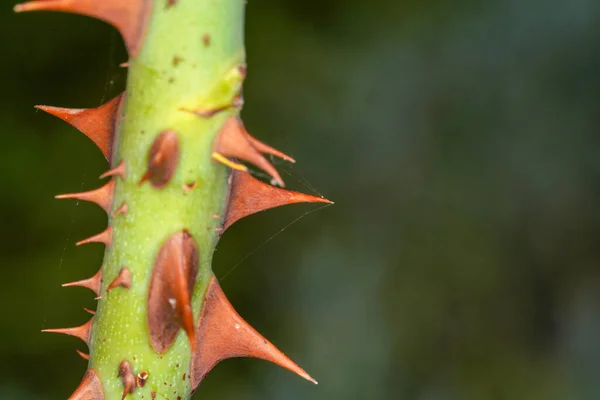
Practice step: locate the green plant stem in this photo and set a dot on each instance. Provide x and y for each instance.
(189, 61)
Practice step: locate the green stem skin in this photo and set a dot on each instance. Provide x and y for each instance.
(189, 61)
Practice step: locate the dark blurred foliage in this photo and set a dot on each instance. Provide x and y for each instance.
(460, 143)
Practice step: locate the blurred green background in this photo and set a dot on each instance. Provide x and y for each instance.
(460, 143)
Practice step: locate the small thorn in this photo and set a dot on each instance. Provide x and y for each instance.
(216, 216)
(188, 187)
(162, 159)
(103, 237)
(248, 196)
(234, 141)
(90, 387)
(119, 170)
(121, 210)
(128, 378)
(82, 332)
(266, 149)
(89, 311)
(122, 280)
(170, 293)
(124, 64)
(83, 355)
(141, 378)
(102, 196)
(129, 17)
(223, 334)
(98, 124)
(92, 283)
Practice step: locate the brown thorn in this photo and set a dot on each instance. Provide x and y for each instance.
(92, 283)
(121, 210)
(83, 355)
(266, 149)
(103, 237)
(90, 387)
(141, 378)
(89, 311)
(119, 170)
(248, 196)
(129, 17)
(223, 334)
(98, 124)
(128, 378)
(234, 141)
(82, 332)
(171, 285)
(124, 64)
(162, 159)
(122, 280)
(102, 196)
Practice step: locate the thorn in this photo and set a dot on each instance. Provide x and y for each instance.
(141, 378)
(82, 332)
(102, 196)
(129, 17)
(92, 283)
(83, 355)
(171, 285)
(223, 334)
(121, 210)
(249, 195)
(234, 141)
(103, 237)
(89, 311)
(162, 159)
(122, 280)
(126, 375)
(124, 64)
(119, 170)
(188, 187)
(90, 387)
(98, 124)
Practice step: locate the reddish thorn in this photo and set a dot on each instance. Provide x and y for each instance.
(266, 149)
(221, 334)
(129, 17)
(162, 159)
(124, 64)
(119, 170)
(170, 293)
(141, 378)
(102, 196)
(122, 280)
(103, 237)
(82, 332)
(92, 283)
(83, 355)
(121, 210)
(89, 311)
(234, 141)
(126, 375)
(90, 387)
(98, 124)
(248, 196)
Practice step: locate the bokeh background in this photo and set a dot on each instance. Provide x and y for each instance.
(460, 141)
